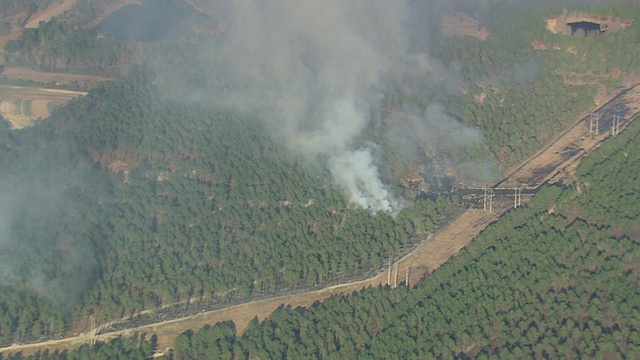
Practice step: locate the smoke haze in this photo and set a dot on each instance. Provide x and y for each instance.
(42, 246)
(315, 73)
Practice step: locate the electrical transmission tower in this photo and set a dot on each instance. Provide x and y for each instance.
(594, 123)
(395, 279)
(406, 279)
(615, 125)
(487, 202)
(93, 331)
(517, 198)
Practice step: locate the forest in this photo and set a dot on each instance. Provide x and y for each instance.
(558, 278)
(130, 199)
(162, 216)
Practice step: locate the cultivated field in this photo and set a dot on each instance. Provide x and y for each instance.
(22, 105)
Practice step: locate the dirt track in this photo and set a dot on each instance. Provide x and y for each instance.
(54, 9)
(22, 73)
(429, 255)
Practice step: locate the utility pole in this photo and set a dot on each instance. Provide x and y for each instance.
(389, 275)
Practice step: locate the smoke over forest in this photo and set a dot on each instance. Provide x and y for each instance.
(43, 245)
(317, 75)
(261, 148)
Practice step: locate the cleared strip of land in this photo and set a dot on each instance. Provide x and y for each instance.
(431, 253)
(23, 73)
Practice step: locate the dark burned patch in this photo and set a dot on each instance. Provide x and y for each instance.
(587, 28)
(584, 24)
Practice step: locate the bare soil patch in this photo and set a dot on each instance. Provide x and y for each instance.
(56, 8)
(22, 73)
(462, 24)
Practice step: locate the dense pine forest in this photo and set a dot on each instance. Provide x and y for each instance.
(559, 278)
(140, 196)
(176, 211)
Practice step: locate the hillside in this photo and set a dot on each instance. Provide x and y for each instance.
(206, 176)
(558, 278)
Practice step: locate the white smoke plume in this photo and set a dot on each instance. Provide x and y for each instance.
(355, 170)
(313, 72)
(435, 132)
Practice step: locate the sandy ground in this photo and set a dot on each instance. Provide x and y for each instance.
(434, 251)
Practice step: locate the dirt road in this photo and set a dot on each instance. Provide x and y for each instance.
(56, 8)
(428, 256)
(23, 73)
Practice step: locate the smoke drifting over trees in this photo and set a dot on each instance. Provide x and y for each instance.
(316, 74)
(42, 243)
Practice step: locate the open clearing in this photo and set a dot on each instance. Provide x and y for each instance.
(434, 251)
(21, 105)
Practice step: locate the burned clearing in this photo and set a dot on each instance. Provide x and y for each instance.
(584, 24)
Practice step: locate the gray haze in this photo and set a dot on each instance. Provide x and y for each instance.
(315, 73)
(434, 132)
(38, 250)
